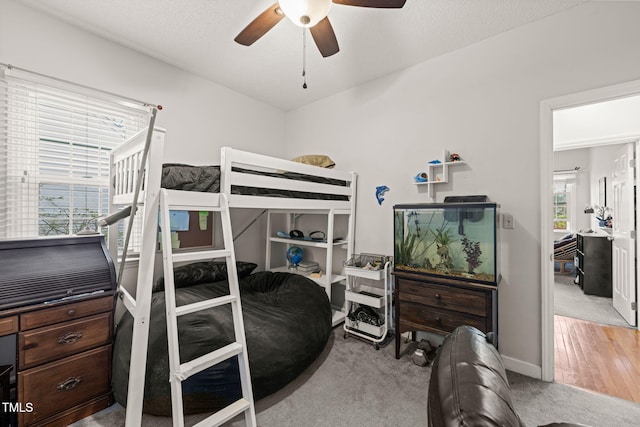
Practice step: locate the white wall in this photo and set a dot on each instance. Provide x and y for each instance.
(200, 116)
(602, 166)
(483, 103)
(602, 121)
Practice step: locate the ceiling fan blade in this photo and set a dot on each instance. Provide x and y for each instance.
(259, 26)
(388, 4)
(325, 38)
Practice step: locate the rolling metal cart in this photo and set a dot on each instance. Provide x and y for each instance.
(368, 298)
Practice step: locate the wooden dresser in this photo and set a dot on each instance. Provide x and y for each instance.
(63, 359)
(56, 312)
(433, 304)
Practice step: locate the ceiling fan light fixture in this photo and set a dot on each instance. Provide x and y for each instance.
(305, 13)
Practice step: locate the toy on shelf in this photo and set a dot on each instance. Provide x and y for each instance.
(421, 177)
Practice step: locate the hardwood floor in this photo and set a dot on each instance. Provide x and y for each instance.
(597, 357)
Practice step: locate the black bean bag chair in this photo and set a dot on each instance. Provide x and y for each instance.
(287, 320)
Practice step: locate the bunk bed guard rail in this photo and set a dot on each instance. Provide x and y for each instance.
(34, 271)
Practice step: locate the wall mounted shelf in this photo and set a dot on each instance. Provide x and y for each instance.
(438, 173)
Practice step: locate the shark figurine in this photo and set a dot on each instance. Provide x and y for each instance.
(380, 190)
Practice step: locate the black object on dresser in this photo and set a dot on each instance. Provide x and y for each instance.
(594, 264)
(44, 269)
(440, 305)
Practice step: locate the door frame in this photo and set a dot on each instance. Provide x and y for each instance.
(546, 220)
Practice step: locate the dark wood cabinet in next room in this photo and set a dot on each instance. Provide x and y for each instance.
(439, 305)
(593, 270)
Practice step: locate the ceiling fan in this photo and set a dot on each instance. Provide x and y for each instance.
(310, 14)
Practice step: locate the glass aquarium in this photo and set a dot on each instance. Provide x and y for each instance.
(453, 240)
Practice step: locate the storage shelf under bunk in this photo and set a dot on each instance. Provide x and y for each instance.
(310, 243)
(334, 245)
(322, 280)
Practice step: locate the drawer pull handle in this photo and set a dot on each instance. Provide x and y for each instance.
(71, 312)
(69, 384)
(70, 338)
(438, 296)
(438, 319)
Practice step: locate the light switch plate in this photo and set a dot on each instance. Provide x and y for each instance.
(507, 221)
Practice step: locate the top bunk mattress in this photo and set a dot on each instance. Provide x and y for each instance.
(206, 179)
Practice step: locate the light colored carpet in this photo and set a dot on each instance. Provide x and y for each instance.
(352, 384)
(570, 301)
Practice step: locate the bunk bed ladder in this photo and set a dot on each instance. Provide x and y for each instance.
(179, 372)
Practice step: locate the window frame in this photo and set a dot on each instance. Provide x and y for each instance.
(35, 110)
(568, 181)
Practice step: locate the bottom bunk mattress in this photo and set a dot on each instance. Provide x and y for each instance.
(287, 320)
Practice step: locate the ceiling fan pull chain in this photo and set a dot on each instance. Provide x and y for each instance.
(304, 58)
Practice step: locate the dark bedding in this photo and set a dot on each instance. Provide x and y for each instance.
(287, 321)
(207, 179)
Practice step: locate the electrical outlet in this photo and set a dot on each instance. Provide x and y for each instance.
(507, 221)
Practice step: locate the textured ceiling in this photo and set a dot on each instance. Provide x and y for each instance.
(197, 36)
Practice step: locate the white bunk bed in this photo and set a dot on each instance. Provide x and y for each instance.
(126, 161)
(279, 189)
(242, 171)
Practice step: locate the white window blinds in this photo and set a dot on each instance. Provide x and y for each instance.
(55, 140)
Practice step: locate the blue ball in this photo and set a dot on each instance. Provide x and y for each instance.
(294, 255)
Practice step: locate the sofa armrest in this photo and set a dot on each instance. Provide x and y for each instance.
(468, 384)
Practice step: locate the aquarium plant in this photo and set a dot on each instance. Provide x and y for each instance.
(404, 250)
(443, 239)
(472, 253)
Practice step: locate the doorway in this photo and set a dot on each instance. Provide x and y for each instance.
(587, 185)
(547, 109)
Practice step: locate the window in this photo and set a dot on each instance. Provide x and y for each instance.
(55, 140)
(563, 202)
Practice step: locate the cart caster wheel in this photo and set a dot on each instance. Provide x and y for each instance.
(376, 346)
(346, 335)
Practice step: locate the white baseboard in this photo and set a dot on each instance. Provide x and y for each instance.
(524, 368)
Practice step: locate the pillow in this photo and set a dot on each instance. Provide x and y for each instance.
(203, 272)
(315, 160)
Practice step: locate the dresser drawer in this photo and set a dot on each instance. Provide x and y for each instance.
(60, 385)
(55, 342)
(420, 317)
(442, 296)
(8, 325)
(62, 313)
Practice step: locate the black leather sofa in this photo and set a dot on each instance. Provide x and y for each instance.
(468, 384)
